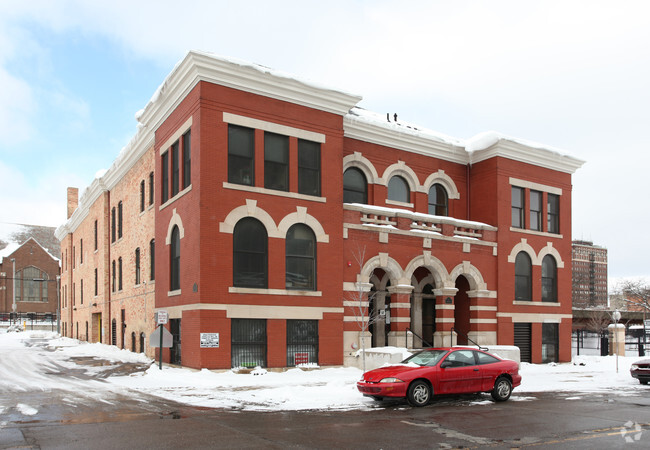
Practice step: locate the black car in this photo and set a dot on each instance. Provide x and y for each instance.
(641, 370)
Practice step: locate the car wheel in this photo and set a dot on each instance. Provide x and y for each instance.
(643, 381)
(377, 398)
(419, 393)
(502, 389)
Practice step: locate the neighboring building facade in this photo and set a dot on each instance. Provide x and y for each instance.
(28, 262)
(284, 216)
(589, 285)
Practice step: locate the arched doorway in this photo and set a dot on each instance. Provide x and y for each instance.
(428, 315)
(461, 310)
(379, 308)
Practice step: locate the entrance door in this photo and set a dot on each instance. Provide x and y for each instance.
(461, 310)
(522, 340)
(550, 342)
(428, 316)
(175, 351)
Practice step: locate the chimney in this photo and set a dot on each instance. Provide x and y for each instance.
(73, 200)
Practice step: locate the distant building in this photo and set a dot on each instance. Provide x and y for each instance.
(29, 261)
(589, 275)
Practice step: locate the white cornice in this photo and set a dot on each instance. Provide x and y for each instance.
(403, 140)
(517, 151)
(247, 77)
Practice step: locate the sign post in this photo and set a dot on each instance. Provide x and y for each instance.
(161, 319)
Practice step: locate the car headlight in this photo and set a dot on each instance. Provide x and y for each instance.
(391, 380)
(634, 367)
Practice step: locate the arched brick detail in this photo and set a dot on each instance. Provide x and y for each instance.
(250, 210)
(441, 178)
(400, 168)
(301, 216)
(174, 221)
(434, 265)
(388, 264)
(363, 164)
(524, 246)
(473, 275)
(550, 250)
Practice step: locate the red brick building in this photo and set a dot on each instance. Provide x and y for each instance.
(28, 263)
(283, 216)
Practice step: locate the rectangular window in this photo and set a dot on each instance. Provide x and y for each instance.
(81, 251)
(550, 342)
(151, 188)
(113, 277)
(74, 257)
(142, 196)
(276, 161)
(308, 167)
(553, 212)
(248, 342)
(137, 266)
(81, 292)
(302, 342)
(96, 285)
(517, 207)
(536, 210)
(152, 260)
(165, 177)
(175, 169)
(187, 159)
(95, 235)
(119, 220)
(119, 274)
(241, 155)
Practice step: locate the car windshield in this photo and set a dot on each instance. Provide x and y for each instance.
(426, 357)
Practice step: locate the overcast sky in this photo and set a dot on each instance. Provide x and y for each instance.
(574, 75)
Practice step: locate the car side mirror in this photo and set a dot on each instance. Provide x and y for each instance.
(445, 364)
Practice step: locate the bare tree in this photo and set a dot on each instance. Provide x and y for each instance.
(636, 293)
(598, 321)
(359, 302)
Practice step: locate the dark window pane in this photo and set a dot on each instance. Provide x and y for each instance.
(175, 261)
(308, 167)
(165, 177)
(151, 188)
(241, 155)
(300, 258)
(276, 161)
(175, 169)
(553, 211)
(438, 200)
(250, 254)
(355, 186)
(523, 277)
(536, 210)
(549, 279)
(517, 207)
(398, 190)
(187, 159)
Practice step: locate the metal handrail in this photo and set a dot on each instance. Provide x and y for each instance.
(454, 330)
(418, 336)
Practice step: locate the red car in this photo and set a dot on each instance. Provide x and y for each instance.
(454, 370)
(641, 370)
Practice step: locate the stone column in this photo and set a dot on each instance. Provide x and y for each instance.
(445, 320)
(616, 339)
(400, 316)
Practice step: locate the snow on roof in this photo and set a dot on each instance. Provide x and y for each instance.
(14, 235)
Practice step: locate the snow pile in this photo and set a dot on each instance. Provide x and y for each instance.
(37, 360)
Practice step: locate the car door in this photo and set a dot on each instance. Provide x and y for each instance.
(490, 369)
(459, 373)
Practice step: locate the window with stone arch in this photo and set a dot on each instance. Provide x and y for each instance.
(300, 253)
(549, 279)
(523, 277)
(175, 260)
(438, 200)
(398, 190)
(355, 186)
(250, 254)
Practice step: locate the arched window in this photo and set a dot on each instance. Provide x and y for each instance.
(523, 277)
(549, 279)
(250, 257)
(355, 186)
(175, 260)
(438, 200)
(398, 190)
(301, 258)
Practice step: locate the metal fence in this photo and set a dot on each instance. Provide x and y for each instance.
(31, 321)
(591, 343)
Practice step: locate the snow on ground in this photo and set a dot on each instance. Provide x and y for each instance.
(28, 359)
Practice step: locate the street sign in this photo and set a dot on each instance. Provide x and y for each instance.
(161, 317)
(167, 338)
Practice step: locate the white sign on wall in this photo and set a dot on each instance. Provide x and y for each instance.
(209, 340)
